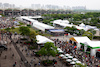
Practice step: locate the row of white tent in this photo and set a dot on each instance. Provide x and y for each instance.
(69, 58)
(39, 25)
(65, 23)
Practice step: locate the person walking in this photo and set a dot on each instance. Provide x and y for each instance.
(15, 62)
(35, 65)
(20, 65)
(12, 55)
(5, 56)
(21, 59)
(39, 64)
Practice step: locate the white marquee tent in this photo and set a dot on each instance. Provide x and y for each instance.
(82, 25)
(42, 39)
(94, 45)
(79, 40)
(42, 26)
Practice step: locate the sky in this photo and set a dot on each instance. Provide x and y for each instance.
(90, 4)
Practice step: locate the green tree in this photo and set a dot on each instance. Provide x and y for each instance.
(48, 50)
(88, 34)
(81, 31)
(12, 28)
(92, 31)
(24, 30)
(7, 29)
(32, 36)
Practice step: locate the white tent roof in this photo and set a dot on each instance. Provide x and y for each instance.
(35, 17)
(42, 39)
(62, 24)
(82, 39)
(79, 27)
(82, 25)
(65, 21)
(27, 18)
(93, 43)
(42, 26)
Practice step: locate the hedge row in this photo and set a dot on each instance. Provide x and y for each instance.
(96, 37)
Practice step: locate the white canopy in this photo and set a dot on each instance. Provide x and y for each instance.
(61, 55)
(82, 25)
(42, 39)
(93, 43)
(82, 39)
(60, 51)
(70, 56)
(64, 57)
(74, 59)
(69, 60)
(67, 54)
(72, 62)
(78, 62)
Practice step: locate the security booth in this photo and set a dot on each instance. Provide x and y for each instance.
(75, 41)
(92, 47)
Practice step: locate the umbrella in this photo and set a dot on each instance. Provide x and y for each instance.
(61, 55)
(70, 57)
(74, 59)
(72, 62)
(67, 55)
(68, 60)
(60, 51)
(64, 57)
(78, 62)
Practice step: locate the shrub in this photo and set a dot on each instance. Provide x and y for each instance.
(96, 37)
(29, 25)
(47, 62)
(32, 47)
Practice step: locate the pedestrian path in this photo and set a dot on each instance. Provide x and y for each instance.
(20, 54)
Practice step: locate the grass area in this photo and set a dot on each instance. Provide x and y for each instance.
(15, 30)
(38, 32)
(21, 23)
(31, 29)
(45, 34)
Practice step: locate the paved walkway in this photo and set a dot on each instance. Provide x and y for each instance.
(20, 54)
(37, 59)
(9, 61)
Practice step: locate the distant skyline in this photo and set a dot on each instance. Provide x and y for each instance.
(90, 4)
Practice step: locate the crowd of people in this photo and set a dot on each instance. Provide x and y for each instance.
(5, 23)
(82, 56)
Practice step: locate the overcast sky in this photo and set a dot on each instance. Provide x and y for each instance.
(90, 4)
